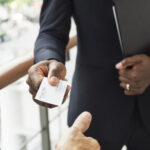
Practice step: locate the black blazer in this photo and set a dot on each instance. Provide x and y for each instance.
(95, 86)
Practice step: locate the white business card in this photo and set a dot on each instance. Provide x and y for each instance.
(51, 94)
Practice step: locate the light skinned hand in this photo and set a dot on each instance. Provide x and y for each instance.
(74, 139)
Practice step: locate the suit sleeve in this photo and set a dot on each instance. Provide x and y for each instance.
(54, 30)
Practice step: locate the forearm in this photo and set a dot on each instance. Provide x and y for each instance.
(72, 42)
(54, 30)
(15, 70)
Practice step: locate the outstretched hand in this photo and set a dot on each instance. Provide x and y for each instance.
(75, 139)
(52, 69)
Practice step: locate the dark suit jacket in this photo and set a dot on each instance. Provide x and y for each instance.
(95, 85)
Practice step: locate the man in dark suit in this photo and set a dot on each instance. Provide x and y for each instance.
(120, 115)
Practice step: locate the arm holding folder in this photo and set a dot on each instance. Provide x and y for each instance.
(136, 77)
(134, 35)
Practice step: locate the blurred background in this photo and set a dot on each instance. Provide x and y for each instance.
(23, 124)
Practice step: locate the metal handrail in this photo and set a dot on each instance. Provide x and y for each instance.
(41, 130)
(15, 69)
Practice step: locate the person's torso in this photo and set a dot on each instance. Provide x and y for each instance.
(97, 35)
(95, 85)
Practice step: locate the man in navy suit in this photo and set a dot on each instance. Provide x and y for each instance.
(120, 115)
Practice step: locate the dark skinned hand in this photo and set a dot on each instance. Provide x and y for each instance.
(52, 69)
(134, 70)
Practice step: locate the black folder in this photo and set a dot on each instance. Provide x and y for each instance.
(133, 24)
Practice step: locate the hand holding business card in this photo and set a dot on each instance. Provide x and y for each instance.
(52, 94)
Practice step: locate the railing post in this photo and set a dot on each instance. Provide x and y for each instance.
(46, 145)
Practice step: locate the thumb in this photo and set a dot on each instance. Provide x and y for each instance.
(129, 61)
(82, 123)
(57, 71)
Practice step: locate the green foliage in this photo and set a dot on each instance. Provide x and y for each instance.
(5, 1)
(23, 1)
(18, 1)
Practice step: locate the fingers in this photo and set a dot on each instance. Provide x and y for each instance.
(93, 143)
(133, 92)
(130, 76)
(53, 80)
(129, 61)
(44, 104)
(129, 92)
(66, 94)
(57, 71)
(124, 79)
(32, 92)
(53, 69)
(82, 123)
(132, 87)
(36, 74)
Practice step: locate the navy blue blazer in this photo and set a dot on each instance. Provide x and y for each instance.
(95, 86)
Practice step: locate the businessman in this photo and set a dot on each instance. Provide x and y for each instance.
(118, 97)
